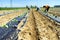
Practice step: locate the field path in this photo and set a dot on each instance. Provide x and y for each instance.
(28, 32)
(45, 27)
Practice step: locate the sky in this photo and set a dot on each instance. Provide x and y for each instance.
(23, 3)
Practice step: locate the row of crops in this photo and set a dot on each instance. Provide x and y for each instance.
(54, 17)
(5, 13)
(9, 31)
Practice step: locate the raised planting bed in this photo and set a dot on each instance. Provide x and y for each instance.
(9, 31)
(14, 22)
(5, 13)
(53, 17)
(6, 33)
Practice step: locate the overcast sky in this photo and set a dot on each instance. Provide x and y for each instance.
(23, 3)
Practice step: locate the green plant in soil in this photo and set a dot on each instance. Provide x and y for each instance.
(15, 20)
(5, 26)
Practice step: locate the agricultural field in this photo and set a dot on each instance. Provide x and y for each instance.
(10, 20)
(9, 10)
(29, 19)
(39, 27)
(6, 18)
(20, 24)
(52, 10)
(55, 11)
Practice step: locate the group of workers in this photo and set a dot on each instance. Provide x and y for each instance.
(37, 8)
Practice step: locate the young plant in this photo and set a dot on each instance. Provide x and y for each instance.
(5, 26)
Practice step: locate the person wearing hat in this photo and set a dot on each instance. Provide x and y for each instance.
(46, 8)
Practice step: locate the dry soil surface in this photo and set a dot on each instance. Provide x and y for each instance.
(6, 18)
(39, 27)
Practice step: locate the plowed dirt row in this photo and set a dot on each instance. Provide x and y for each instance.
(45, 27)
(38, 27)
(5, 11)
(28, 32)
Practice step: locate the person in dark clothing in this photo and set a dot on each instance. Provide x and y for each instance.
(46, 8)
(27, 7)
(37, 9)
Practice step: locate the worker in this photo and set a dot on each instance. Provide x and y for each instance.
(27, 7)
(37, 8)
(46, 8)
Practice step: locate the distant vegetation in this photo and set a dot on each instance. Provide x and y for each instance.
(11, 8)
(57, 6)
(33, 6)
